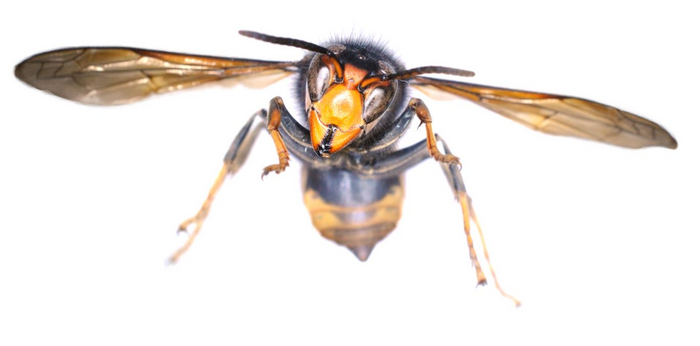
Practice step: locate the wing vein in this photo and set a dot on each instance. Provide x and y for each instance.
(110, 76)
(560, 115)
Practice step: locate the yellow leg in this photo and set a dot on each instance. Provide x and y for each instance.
(464, 203)
(468, 213)
(198, 219)
(274, 119)
(424, 115)
(232, 162)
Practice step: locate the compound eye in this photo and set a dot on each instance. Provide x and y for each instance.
(377, 101)
(319, 78)
(378, 95)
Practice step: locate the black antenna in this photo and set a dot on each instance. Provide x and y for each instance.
(408, 74)
(286, 42)
(299, 44)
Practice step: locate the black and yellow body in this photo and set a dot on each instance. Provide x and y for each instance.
(352, 210)
(355, 109)
(349, 204)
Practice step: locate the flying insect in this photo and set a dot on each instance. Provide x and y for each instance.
(356, 107)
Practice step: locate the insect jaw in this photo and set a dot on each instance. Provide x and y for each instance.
(324, 148)
(329, 138)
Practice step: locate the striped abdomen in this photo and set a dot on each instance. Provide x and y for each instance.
(353, 211)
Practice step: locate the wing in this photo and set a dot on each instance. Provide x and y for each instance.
(560, 115)
(112, 76)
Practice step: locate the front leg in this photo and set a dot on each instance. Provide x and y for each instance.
(274, 118)
(424, 115)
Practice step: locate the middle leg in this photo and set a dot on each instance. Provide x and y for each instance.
(234, 159)
(454, 178)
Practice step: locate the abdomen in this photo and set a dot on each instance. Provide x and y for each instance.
(353, 211)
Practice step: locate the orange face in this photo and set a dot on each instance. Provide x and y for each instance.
(335, 120)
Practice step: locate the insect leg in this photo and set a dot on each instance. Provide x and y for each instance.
(274, 118)
(399, 161)
(454, 178)
(233, 160)
(424, 115)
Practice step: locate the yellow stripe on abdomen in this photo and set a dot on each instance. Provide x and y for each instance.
(358, 228)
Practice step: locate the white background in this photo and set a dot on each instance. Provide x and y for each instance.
(600, 243)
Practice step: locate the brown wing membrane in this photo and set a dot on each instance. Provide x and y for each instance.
(560, 115)
(111, 76)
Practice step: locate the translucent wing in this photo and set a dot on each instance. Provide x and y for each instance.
(111, 76)
(560, 115)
